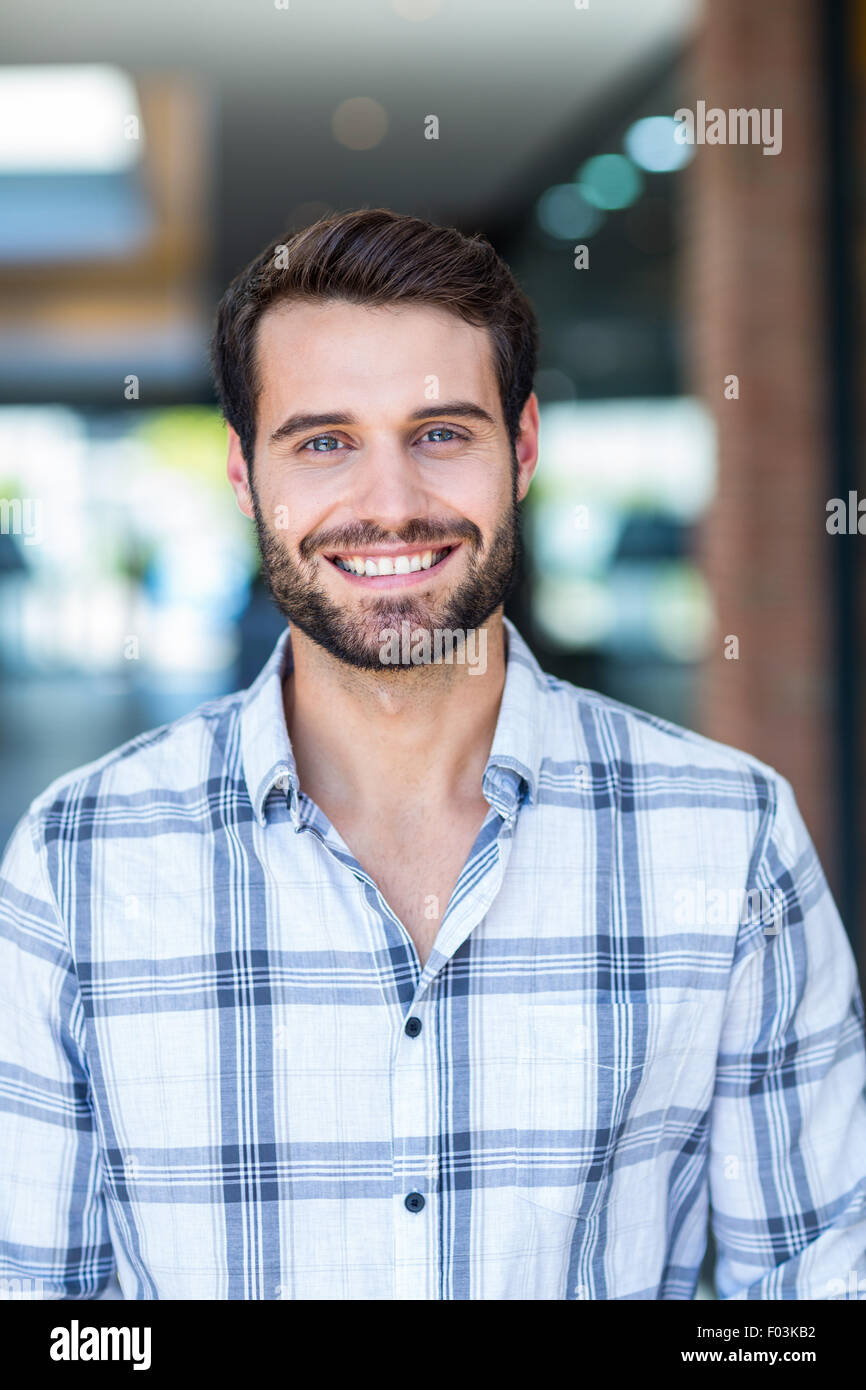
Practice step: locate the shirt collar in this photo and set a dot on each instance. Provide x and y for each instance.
(265, 747)
(512, 768)
(515, 755)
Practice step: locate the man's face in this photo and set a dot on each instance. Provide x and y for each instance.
(384, 487)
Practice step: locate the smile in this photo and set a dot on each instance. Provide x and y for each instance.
(401, 567)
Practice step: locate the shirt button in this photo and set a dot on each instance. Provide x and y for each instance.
(413, 1202)
(413, 1027)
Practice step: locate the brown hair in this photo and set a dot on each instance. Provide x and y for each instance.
(374, 256)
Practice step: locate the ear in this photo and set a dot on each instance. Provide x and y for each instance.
(526, 445)
(238, 476)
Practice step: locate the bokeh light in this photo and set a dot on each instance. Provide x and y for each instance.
(564, 212)
(359, 123)
(609, 181)
(650, 143)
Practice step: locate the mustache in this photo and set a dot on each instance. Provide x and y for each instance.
(418, 531)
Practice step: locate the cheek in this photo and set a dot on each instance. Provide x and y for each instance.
(477, 492)
(289, 510)
(495, 503)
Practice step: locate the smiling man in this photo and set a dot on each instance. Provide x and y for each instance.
(397, 977)
(377, 512)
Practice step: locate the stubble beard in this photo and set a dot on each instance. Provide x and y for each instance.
(354, 633)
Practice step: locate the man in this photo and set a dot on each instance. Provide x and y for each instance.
(411, 972)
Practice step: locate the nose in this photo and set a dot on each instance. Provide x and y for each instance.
(387, 486)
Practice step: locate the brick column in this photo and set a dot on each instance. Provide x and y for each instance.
(754, 306)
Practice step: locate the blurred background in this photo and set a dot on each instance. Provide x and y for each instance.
(702, 345)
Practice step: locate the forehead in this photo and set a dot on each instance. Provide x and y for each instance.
(337, 355)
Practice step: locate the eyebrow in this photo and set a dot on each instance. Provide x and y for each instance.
(296, 424)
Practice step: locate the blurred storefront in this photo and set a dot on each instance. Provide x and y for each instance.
(701, 317)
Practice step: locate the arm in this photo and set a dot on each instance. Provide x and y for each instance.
(787, 1157)
(54, 1240)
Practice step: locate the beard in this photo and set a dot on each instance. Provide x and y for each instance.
(354, 633)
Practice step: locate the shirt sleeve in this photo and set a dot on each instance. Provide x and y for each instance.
(54, 1240)
(787, 1160)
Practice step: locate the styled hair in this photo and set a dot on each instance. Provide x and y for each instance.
(374, 256)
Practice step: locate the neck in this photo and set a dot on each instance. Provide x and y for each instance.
(372, 738)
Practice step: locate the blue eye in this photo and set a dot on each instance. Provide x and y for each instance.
(443, 429)
(326, 439)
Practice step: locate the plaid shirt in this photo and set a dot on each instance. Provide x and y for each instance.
(225, 1075)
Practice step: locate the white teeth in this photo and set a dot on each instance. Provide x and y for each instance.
(388, 564)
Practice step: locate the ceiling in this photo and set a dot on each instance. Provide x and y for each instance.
(505, 79)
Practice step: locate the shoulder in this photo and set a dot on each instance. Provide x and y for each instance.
(159, 759)
(648, 754)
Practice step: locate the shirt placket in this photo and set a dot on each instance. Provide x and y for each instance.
(414, 1110)
(416, 1090)
(415, 1067)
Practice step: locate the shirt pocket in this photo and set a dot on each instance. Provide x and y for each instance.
(595, 1085)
